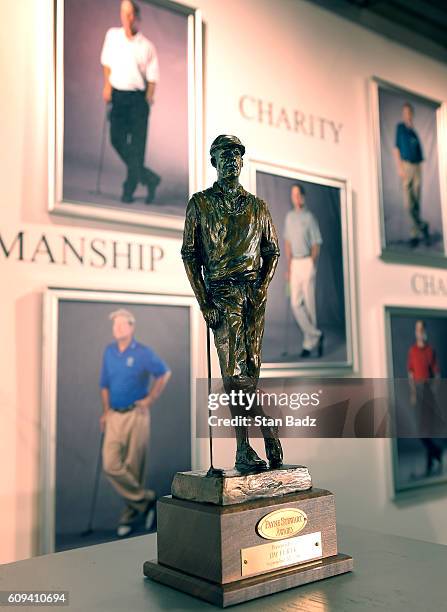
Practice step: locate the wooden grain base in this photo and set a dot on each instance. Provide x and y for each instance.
(206, 540)
(248, 588)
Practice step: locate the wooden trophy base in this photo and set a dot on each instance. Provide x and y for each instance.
(225, 595)
(229, 553)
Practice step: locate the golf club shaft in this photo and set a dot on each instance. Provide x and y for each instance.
(208, 357)
(101, 153)
(95, 489)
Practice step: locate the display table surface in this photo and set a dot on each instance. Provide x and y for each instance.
(390, 573)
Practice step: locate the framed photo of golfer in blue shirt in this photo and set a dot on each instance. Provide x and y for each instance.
(88, 350)
(409, 146)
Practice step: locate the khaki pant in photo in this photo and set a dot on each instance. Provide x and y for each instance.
(124, 454)
(411, 185)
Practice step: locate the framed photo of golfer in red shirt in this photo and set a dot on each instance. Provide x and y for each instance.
(417, 361)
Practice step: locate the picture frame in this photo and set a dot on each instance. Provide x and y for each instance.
(347, 362)
(84, 197)
(62, 306)
(408, 454)
(397, 225)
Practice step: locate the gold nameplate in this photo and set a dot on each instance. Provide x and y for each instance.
(268, 557)
(280, 524)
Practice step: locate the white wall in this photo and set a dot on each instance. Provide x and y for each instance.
(298, 57)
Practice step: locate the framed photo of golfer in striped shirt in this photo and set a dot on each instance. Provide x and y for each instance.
(125, 110)
(310, 316)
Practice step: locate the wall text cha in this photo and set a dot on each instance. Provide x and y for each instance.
(428, 284)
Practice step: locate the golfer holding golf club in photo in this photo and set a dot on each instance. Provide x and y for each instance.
(127, 397)
(131, 72)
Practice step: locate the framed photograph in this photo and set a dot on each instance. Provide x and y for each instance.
(411, 163)
(309, 318)
(417, 361)
(125, 111)
(82, 355)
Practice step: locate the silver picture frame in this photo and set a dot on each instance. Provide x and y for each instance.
(408, 490)
(350, 365)
(387, 253)
(56, 202)
(51, 301)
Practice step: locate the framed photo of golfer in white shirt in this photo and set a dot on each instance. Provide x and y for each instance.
(127, 110)
(310, 307)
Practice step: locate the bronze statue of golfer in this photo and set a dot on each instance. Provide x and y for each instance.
(230, 252)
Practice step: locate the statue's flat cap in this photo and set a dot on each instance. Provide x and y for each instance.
(225, 141)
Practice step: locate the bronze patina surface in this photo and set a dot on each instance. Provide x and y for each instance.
(230, 252)
(235, 488)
